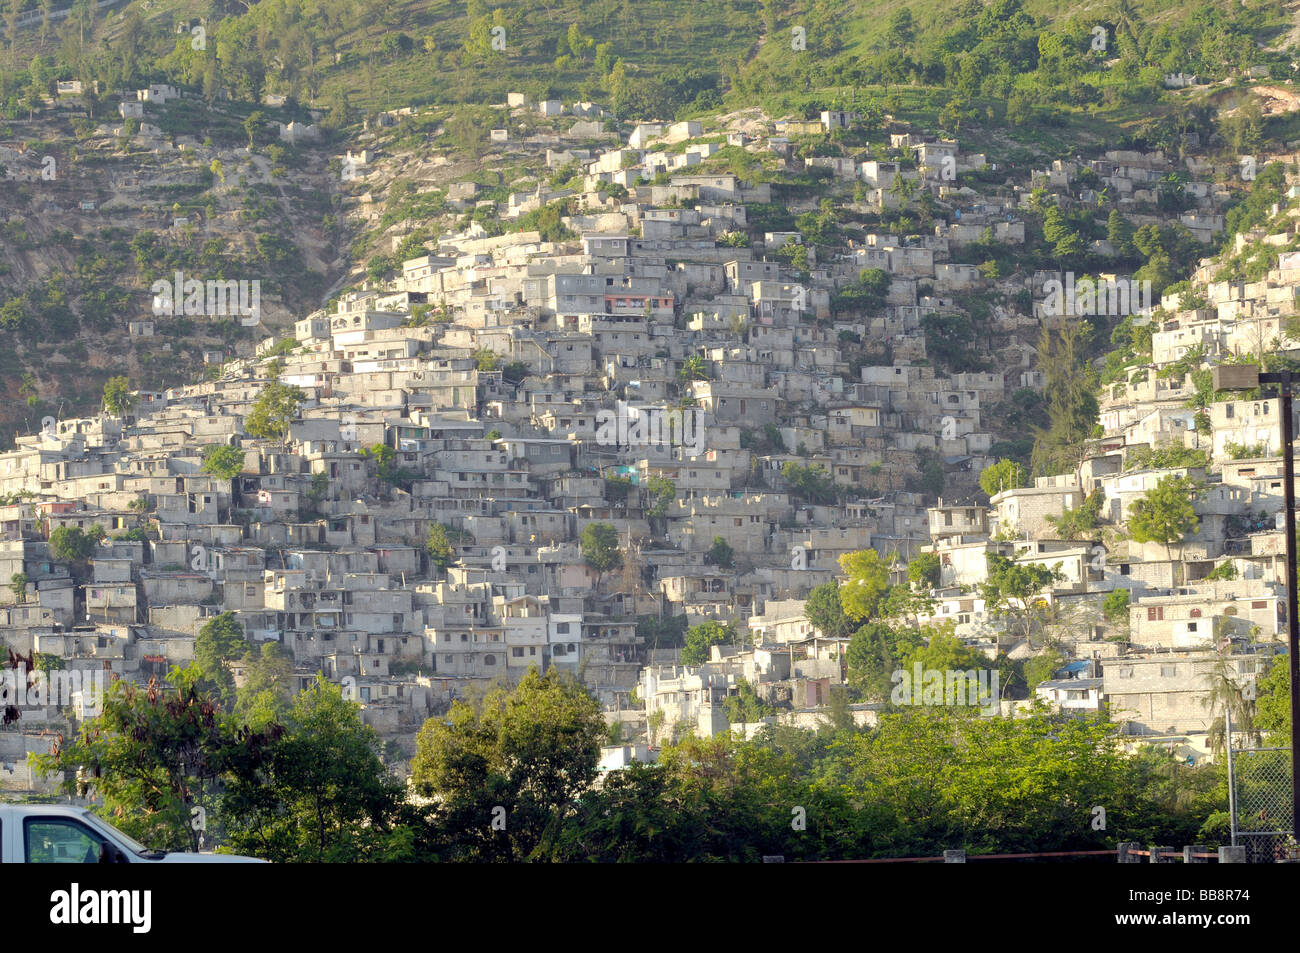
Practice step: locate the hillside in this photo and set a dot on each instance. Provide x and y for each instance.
(204, 184)
(656, 389)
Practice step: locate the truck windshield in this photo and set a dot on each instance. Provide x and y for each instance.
(130, 843)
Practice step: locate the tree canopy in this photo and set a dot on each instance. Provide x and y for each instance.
(274, 411)
(505, 772)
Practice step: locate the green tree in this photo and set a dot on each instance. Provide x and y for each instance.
(1226, 571)
(319, 490)
(636, 815)
(924, 571)
(1042, 667)
(720, 553)
(867, 583)
(505, 774)
(1273, 702)
(1119, 232)
(824, 611)
(1003, 475)
(274, 411)
(745, 706)
(1082, 521)
(943, 651)
(659, 633)
(1167, 513)
(385, 458)
(223, 462)
(901, 32)
(1115, 606)
(267, 690)
(663, 492)
(872, 657)
(117, 396)
(319, 791)
(151, 756)
(1225, 693)
(1055, 225)
(904, 603)
(70, 544)
(599, 543)
(220, 642)
(811, 484)
(579, 44)
(252, 125)
(700, 637)
(994, 784)
(1012, 586)
(694, 368)
(1072, 409)
(439, 548)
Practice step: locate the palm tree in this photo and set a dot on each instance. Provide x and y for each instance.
(1126, 20)
(903, 188)
(1225, 695)
(694, 369)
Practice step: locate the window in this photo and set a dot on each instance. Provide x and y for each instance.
(561, 628)
(1168, 671)
(60, 841)
(517, 653)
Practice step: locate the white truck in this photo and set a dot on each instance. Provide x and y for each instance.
(59, 834)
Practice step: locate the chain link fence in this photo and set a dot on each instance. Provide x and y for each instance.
(1261, 780)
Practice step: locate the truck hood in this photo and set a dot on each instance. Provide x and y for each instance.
(187, 858)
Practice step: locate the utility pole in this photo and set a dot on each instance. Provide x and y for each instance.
(1248, 377)
(1232, 781)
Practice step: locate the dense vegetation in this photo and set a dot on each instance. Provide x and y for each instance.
(512, 776)
(1017, 63)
